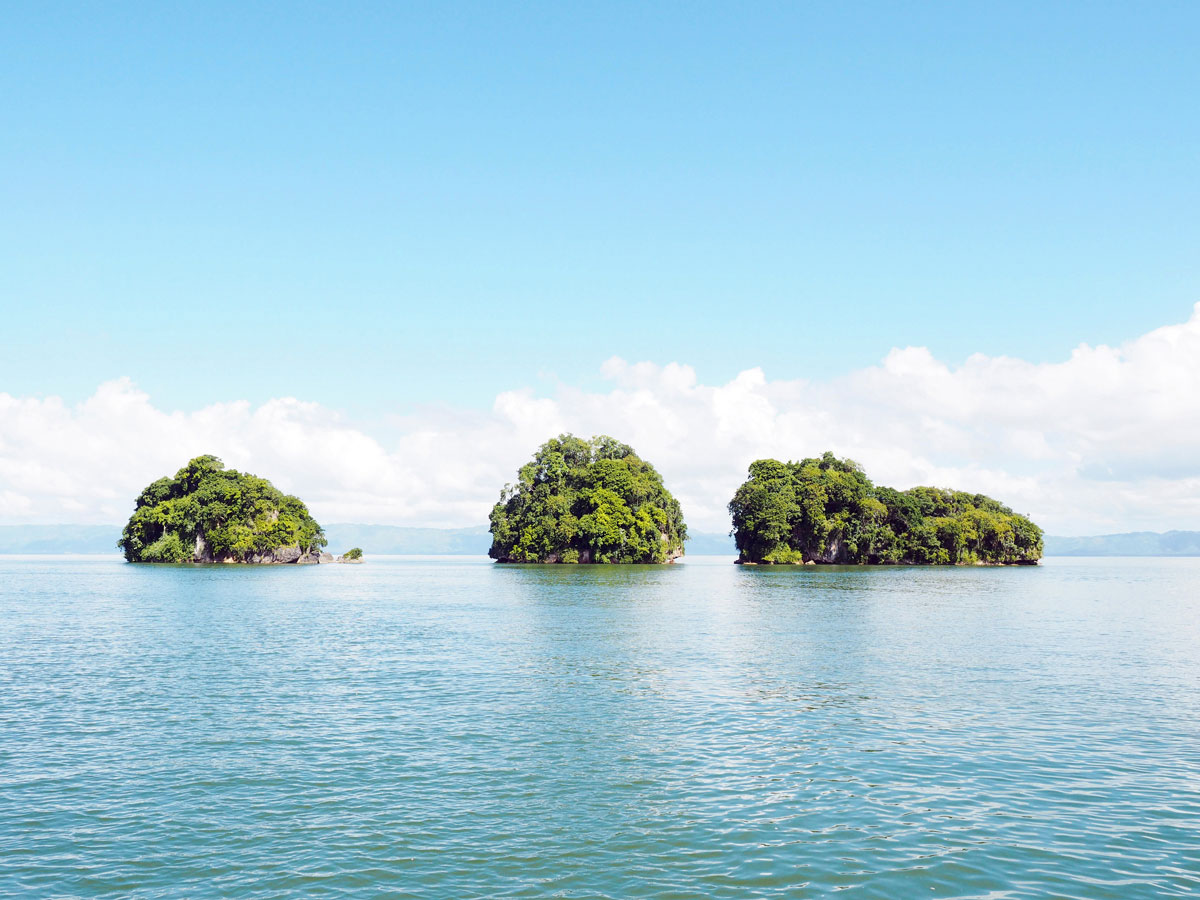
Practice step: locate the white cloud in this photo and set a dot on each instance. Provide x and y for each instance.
(1107, 440)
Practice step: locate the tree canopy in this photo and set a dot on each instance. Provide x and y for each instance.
(581, 501)
(207, 512)
(826, 510)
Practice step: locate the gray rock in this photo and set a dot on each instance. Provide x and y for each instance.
(287, 554)
(309, 557)
(201, 554)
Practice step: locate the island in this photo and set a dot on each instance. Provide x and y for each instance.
(587, 501)
(826, 510)
(210, 514)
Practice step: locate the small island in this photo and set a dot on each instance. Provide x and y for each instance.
(580, 501)
(210, 514)
(827, 511)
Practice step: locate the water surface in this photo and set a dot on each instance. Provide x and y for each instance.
(446, 728)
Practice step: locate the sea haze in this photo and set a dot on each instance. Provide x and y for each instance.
(372, 539)
(403, 540)
(449, 728)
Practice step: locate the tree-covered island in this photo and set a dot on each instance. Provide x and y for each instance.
(827, 511)
(208, 514)
(580, 501)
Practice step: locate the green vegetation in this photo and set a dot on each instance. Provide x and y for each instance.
(583, 501)
(827, 511)
(208, 513)
(353, 553)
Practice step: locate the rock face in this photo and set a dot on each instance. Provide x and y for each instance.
(280, 556)
(287, 554)
(832, 555)
(201, 553)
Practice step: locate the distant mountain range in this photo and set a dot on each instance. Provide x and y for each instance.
(59, 538)
(396, 539)
(1133, 543)
(464, 541)
(389, 539)
(381, 539)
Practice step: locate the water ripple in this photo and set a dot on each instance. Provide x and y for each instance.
(450, 729)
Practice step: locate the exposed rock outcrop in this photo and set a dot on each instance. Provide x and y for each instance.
(292, 555)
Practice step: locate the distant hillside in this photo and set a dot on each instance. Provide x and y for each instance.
(382, 539)
(389, 539)
(59, 538)
(394, 539)
(398, 539)
(710, 543)
(1134, 543)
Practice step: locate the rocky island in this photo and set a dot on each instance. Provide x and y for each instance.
(827, 511)
(210, 514)
(580, 501)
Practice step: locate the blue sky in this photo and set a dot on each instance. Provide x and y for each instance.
(376, 206)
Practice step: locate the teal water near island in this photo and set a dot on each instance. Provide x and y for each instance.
(448, 728)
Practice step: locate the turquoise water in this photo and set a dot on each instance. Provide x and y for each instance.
(449, 729)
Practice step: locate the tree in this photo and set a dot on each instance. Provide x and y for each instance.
(826, 510)
(232, 515)
(580, 500)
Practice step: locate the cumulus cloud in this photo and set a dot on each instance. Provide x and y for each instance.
(1108, 439)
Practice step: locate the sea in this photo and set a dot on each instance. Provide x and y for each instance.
(421, 727)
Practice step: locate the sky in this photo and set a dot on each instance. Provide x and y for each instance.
(379, 252)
